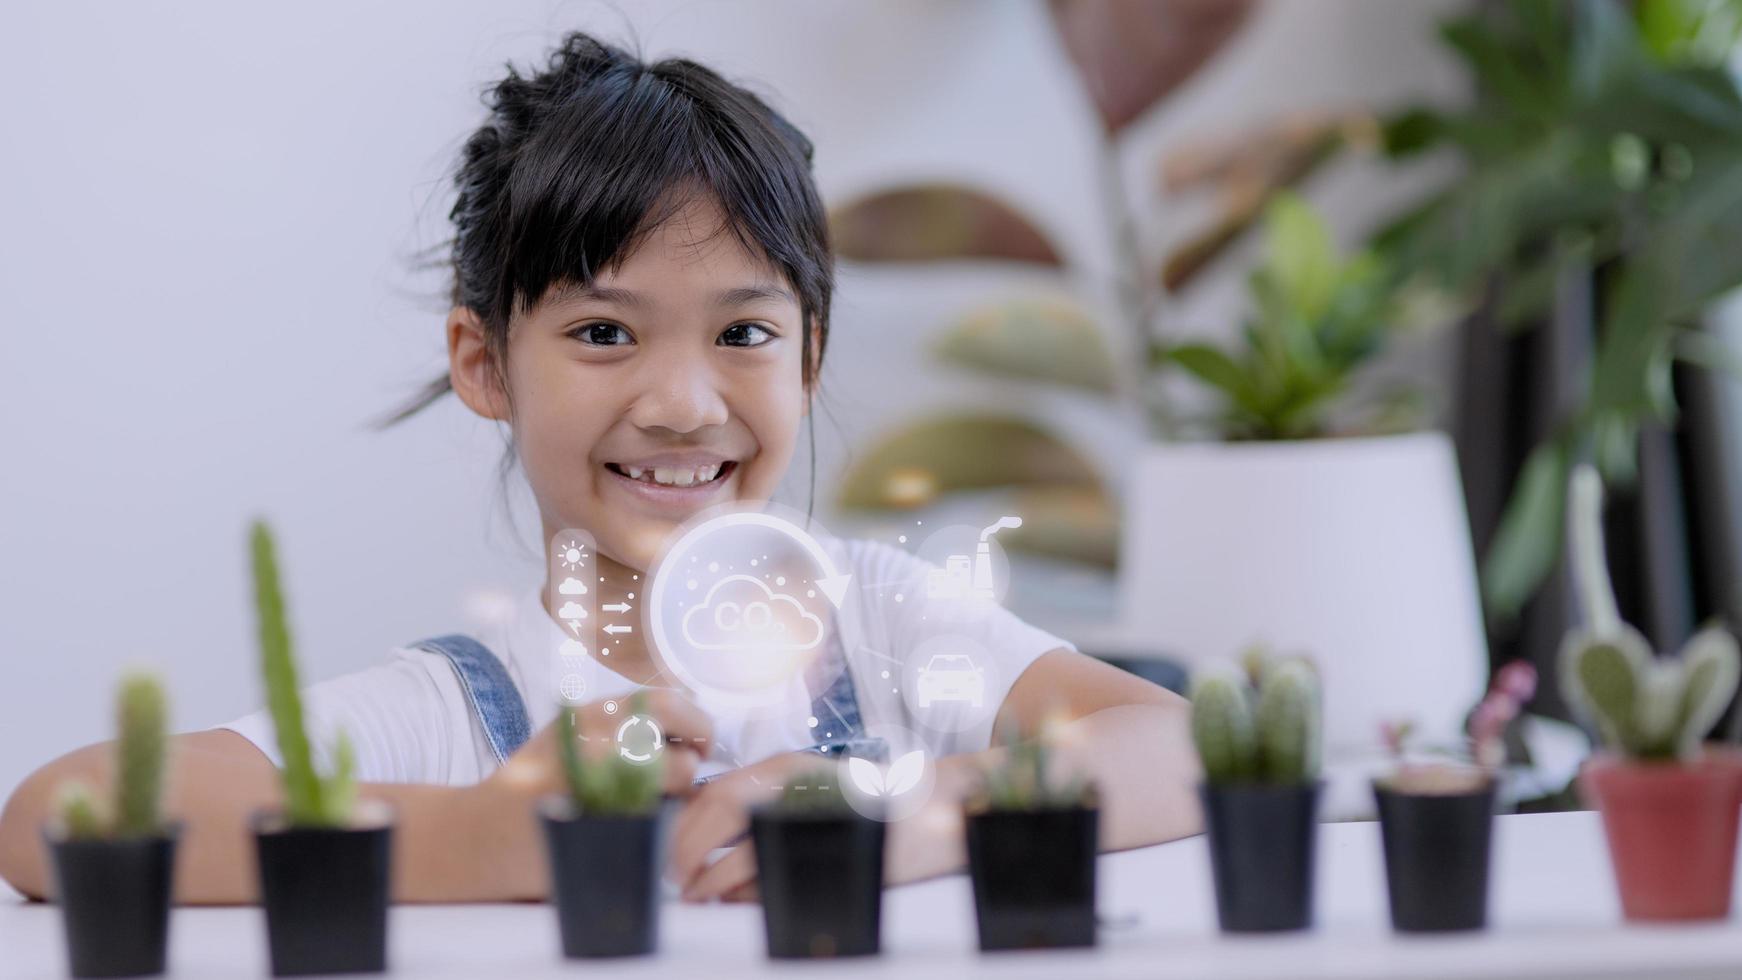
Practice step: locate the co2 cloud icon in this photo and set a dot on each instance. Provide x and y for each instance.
(742, 613)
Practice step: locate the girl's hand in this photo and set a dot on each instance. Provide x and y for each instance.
(923, 845)
(718, 815)
(536, 769)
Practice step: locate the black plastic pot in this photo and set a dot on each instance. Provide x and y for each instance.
(821, 880)
(1034, 876)
(326, 893)
(1262, 840)
(114, 896)
(605, 879)
(1436, 857)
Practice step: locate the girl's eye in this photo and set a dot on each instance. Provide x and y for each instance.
(745, 335)
(601, 334)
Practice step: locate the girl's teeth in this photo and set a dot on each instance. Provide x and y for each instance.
(673, 477)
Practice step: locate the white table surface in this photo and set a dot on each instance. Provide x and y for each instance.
(1553, 913)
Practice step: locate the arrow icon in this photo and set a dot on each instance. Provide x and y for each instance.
(617, 607)
(614, 628)
(835, 587)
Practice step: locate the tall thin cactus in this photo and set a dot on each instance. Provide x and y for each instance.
(136, 791)
(1642, 706)
(143, 722)
(309, 799)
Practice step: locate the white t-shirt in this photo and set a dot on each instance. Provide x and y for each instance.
(409, 721)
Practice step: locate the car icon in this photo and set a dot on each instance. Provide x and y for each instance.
(951, 677)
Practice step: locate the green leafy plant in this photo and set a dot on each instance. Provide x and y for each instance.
(1605, 142)
(1027, 779)
(310, 799)
(609, 785)
(1643, 707)
(1318, 319)
(1268, 732)
(142, 722)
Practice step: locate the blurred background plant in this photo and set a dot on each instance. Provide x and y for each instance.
(1318, 318)
(1604, 140)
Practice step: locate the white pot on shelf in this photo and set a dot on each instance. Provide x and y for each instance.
(1355, 551)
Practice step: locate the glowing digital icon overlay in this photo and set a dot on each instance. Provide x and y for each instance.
(890, 773)
(741, 603)
(573, 687)
(573, 580)
(964, 576)
(639, 739)
(742, 613)
(572, 567)
(951, 683)
(900, 777)
(950, 677)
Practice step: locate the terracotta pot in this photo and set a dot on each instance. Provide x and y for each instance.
(1671, 830)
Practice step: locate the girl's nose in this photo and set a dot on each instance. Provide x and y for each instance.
(682, 398)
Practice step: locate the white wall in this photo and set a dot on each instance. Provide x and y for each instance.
(209, 213)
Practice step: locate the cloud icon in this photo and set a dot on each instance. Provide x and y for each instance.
(572, 648)
(572, 586)
(572, 610)
(742, 613)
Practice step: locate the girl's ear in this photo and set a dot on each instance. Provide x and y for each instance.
(472, 369)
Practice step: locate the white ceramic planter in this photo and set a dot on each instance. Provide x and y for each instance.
(1356, 551)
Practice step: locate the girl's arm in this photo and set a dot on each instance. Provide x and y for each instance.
(443, 836)
(476, 843)
(1131, 737)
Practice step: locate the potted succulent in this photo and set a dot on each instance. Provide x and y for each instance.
(114, 863)
(819, 866)
(1436, 817)
(1032, 841)
(323, 859)
(1257, 732)
(605, 842)
(1669, 802)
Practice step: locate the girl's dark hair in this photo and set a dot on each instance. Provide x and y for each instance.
(577, 163)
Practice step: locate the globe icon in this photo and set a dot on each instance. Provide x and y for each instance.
(573, 687)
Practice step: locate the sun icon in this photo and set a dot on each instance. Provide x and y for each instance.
(572, 554)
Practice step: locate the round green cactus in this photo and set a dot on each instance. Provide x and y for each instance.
(1268, 734)
(1288, 722)
(1222, 725)
(1641, 706)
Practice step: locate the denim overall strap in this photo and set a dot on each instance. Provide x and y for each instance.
(495, 700)
(840, 730)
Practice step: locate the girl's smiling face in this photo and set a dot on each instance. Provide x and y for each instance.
(671, 383)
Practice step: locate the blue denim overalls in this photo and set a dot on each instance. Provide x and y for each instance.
(502, 714)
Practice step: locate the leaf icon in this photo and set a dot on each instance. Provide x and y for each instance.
(866, 776)
(905, 773)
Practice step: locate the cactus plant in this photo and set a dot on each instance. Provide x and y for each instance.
(141, 716)
(310, 799)
(610, 785)
(1642, 706)
(1268, 734)
(1028, 778)
(142, 719)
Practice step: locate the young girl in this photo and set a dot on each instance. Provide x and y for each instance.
(641, 297)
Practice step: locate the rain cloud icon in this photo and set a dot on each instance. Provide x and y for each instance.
(742, 613)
